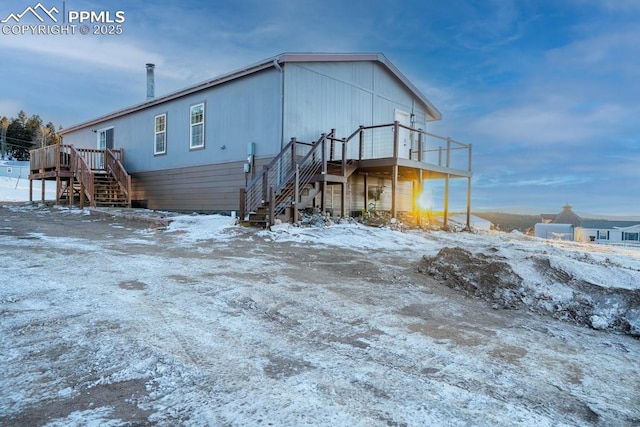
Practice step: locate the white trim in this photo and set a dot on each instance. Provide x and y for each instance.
(98, 132)
(156, 133)
(199, 123)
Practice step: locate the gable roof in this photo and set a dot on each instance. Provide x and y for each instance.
(567, 216)
(275, 61)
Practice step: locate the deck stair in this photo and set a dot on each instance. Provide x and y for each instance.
(92, 176)
(107, 191)
(292, 180)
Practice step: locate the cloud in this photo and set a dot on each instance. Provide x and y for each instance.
(90, 50)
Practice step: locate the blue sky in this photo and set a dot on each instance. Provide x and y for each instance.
(546, 91)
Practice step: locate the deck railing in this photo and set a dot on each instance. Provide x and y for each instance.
(83, 163)
(84, 174)
(113, 164)
(394, 140)
(279, 183)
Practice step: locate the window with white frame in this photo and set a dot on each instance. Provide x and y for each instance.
(196, 138)
(160, 134)
(603, 235)
(631, 236)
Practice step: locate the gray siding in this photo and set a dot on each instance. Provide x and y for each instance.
(236, 113)
(262, 108)
(206, 188)
(344, 95)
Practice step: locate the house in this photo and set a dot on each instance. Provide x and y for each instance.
(605, 231)
(569, 226)
(340, 132)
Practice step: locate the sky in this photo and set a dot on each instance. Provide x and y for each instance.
(545, 91)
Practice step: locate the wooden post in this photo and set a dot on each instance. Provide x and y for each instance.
(58, 187)
(396, 139)
(446, 186)
(296, 194)
(42, 181)
(323, 197)
(70, 191)
(243, 203)
(324, 155)
(420, 191)
(366, 194)
(31, 190)
(82, 189)
(469, 193)
(420, 146)
(272, 210)
(265, 182)
(343, 200)
(394, 188)
(344, 157)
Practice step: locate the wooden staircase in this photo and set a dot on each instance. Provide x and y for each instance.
(92, 176)
(107, 191)
(293, 179)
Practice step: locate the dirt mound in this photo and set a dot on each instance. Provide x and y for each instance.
(491, 277)
(476, 275)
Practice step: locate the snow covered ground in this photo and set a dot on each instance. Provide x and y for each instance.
(106, 322)
(17, 190)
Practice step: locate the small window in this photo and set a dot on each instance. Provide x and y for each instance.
(160, 134)
(631, 236)
(196, 139)
(603, 235)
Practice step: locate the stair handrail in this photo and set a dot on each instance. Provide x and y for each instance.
(84, 174)
(301, 174)
(279, 172)
(115, 168)
(256, 190)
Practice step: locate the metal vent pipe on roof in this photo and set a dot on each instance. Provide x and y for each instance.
(150, 82)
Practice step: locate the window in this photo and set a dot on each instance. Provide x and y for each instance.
(160, 134)
(105, 141)
(631, 236)
(196, 139)
(603, 235)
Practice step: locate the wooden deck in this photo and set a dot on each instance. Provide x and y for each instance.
(390, 151)
(90, 175)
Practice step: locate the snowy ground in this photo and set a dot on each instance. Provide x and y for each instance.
(17, 190)
(106, 322)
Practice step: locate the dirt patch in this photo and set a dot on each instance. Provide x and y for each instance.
(122, 400)
(132, 285)
(490, 278)
(478, 275)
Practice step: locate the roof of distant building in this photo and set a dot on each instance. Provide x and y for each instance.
(606, 224)
(567, 216)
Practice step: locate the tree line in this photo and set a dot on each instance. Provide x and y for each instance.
(20, 134)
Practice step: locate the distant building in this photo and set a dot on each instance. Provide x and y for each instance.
(605, 231)
(567, 225)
